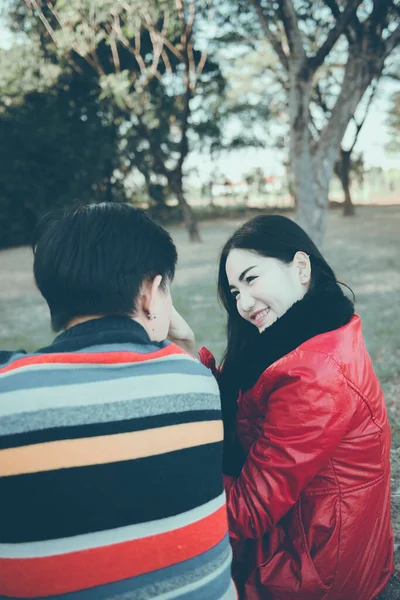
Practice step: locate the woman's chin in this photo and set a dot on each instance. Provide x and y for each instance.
(270, 322)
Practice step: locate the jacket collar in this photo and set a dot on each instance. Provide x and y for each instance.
(320, 311)
(106, 330)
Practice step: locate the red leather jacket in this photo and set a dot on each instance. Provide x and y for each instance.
(309, 514)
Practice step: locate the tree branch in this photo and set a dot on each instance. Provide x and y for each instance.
(293, 33)
(354, 29)
(271, 37)
(321, 100)
(392, 41)
(201, 63)
(167, 62)
(115, 56)
(359, 124)
(337, 30)
(48, 27)
(183, 144)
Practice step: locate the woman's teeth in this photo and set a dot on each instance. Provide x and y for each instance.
(261, 316)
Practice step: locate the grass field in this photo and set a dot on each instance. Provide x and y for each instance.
(364, 252)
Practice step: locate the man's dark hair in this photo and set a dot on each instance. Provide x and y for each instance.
(92, 260)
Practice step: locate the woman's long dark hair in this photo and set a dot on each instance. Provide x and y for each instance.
(274, 236)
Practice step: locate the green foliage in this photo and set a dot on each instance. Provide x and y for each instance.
(23, 69)
(58, 148)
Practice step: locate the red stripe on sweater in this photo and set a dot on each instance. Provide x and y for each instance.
(97, 358)
(32, 577)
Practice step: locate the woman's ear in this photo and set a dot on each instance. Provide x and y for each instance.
(148, 296)
(303, 266)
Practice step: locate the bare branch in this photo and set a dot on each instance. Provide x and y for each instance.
(333, 5)
(48, 27)
(136, 51)
(192, 15)
(379, 13)
(392, 76)
(271, 37)
(202, 62)
(115, 56)
(167, 63)
(191, 68)
(68, 57)
(184, 147)
(293, 33)
(359, 124)
(54, 12)
(179, 8)
(354, 29)
(314, 130)
(355, 82)
(337, 30)
(158, 44)
(174, 50)
(392, 41)
(320, 99)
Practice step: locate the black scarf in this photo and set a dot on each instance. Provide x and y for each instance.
(318, 312)
(321, 310)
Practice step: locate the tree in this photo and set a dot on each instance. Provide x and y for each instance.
(347, 164)
(393, 121)
(363, 32)
(345, 167)
(145, 56)
(59, 144)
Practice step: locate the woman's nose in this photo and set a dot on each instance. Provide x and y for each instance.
(246, 302)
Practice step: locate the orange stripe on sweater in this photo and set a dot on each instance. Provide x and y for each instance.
(105, 449)
(97, 358)
(32, 577)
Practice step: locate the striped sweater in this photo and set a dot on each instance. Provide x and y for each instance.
(110, 470)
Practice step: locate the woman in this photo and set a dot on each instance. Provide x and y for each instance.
(307, 439)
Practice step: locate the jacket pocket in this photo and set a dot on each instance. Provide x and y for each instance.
(318, 521)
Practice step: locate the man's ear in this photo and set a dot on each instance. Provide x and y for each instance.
(303, 266)
(148, 295)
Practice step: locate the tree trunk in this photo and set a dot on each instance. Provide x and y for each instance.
(310, 182)
(313, 163)
(311, 199)
(343, 172)
(348, 206)
(189, 217)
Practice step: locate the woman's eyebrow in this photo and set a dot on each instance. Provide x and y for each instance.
(243, 275)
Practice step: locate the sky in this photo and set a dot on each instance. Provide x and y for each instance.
(371, 142)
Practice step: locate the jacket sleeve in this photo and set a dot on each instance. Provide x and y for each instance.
(208, 360)
(307, 414)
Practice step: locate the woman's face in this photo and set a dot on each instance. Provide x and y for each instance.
(264, 287)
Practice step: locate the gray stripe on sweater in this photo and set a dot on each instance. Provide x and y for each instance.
(58, 375)
(97, 393)
(166, 582)
(106, 412)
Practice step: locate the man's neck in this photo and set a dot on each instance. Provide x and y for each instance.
(79, 320)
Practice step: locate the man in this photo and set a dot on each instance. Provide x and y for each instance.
(111, 437)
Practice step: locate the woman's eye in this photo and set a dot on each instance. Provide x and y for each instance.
(235, 294)
(251, 278)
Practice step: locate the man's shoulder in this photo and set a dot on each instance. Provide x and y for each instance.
(8, 356)
(183, 364)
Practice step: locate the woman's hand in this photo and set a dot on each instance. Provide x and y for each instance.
(181, 334)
